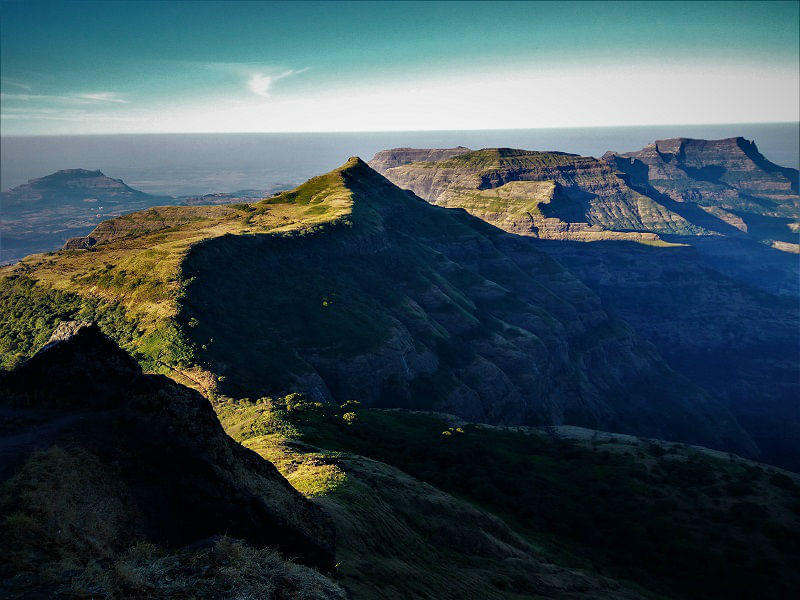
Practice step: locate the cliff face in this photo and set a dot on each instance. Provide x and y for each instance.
(717, 295)
(711, 172)
(583, 197)
(172, 473)
(727, 186)
(672, 187)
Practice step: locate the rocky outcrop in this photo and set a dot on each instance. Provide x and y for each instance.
(181, 477)
(79, 243)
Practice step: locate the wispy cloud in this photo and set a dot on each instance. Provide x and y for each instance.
(260, 84)
(92, 97)
(103, 97)
(15, 83)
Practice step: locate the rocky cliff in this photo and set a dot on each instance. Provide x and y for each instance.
(545, 194)
(704, 294)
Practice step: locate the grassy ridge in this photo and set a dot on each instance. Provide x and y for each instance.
(132, 283)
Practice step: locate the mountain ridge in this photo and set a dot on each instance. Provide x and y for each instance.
(724, 294)
(477, 322)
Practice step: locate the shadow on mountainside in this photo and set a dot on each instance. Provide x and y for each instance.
(178, 474)
(404, 304)
(736, 341)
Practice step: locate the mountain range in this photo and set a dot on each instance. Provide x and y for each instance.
(694, 244)
(430, 348)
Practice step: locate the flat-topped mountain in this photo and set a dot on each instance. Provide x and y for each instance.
(387, 159)
(42, 214)
(715, 224)
(678, 187)
(71, 185)
(729, 180)
(350, 288)
(550, 195)
(697, 170)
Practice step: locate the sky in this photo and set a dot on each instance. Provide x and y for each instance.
(121, 67)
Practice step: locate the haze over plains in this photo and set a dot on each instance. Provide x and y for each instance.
(247, 67)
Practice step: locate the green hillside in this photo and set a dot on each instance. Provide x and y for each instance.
(681, 522)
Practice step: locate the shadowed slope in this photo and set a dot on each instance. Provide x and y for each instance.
(404, 304)
(723, 311)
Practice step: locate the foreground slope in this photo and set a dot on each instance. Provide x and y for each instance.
(692, 246)
(100, 462)
(118, 484)
(108, 473)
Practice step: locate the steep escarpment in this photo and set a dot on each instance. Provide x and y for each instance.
(405, 304)
(733, 339)
(148, 462)
(713, 173)
(718, 298)
(727, 186)
(585, 196)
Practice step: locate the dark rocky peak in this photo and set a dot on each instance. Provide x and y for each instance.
(733, 150)
(732, 161)
(183, 477)
(79, 368)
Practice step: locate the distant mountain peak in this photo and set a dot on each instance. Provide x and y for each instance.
(71, 183)
(77, 173)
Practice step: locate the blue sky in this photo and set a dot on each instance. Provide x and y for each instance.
(87, 67)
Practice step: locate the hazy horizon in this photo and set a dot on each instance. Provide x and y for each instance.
(453, 130)
(193, 163)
